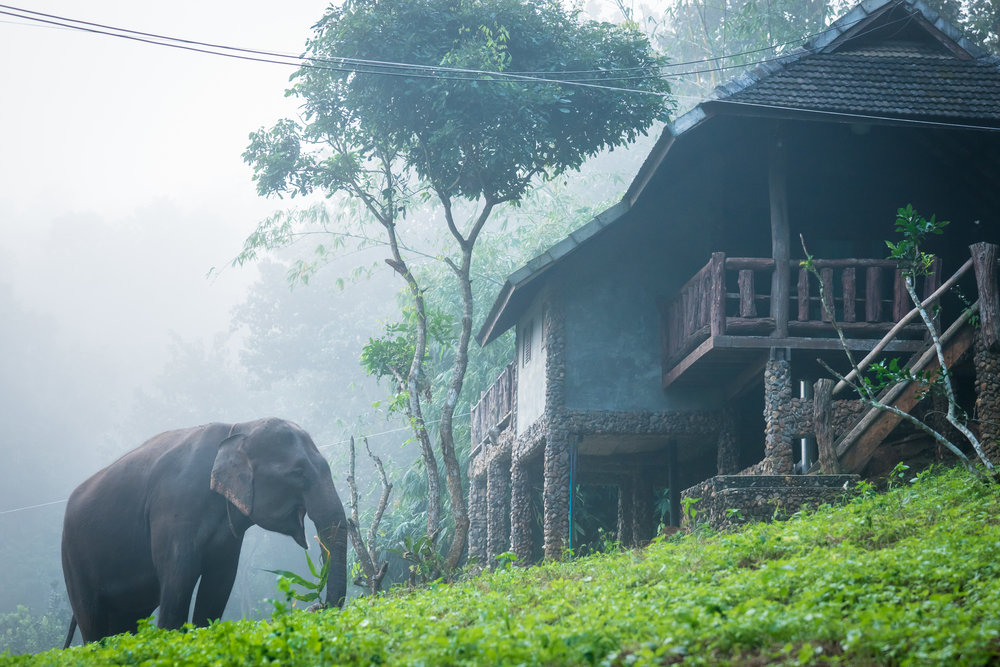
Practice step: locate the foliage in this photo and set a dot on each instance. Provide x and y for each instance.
(311, 589)
(388, 138)
(912, 262)
(23, 632)
(909, 577)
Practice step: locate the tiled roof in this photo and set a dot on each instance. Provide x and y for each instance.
(891, 79)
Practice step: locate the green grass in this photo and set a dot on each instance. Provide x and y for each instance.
(910, 577)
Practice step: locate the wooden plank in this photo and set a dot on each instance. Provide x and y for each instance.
(848, 284)
(984, 260)
(823, 426)
(873, 294)
(764, 342)
(748, 308)
(678, 369)
(752, 263)
(803, 294)
(765, 263)
(826, 276)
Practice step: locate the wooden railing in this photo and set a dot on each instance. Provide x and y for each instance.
(493, 411)
(732, 295)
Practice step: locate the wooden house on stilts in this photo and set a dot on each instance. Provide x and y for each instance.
(671, 344)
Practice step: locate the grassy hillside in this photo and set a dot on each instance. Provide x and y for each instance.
(909, 577)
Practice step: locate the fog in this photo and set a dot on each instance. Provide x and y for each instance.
(123, 186)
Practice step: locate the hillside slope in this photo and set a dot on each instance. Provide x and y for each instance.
(909, 577)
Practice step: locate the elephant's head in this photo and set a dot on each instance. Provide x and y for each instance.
(272, 472)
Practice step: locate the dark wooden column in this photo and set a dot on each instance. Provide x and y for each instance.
(673, 485)
(822, 423)
(984, 261)
(777, 178)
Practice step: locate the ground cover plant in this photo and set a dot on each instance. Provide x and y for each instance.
(906, 577)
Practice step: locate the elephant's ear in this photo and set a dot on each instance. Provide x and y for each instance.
(232, 475)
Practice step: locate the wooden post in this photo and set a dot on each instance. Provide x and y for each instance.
(826, 275)
(803, 294)
(822, 424)
(901, 301)
(984, 260)
(748, 308)
(717, 308)
(672, 484)
(873, 294)
(778, 194)
(849, 285)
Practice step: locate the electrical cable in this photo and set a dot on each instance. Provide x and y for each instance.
(389, 68)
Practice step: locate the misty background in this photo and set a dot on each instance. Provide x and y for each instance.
(123, 187)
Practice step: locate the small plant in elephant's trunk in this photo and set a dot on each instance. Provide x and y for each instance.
(297, 588)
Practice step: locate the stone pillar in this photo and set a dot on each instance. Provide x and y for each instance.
(728, 451)
(988, 399)
(555, 493)
(778, 447)
(477, 518)
(625, 517)
(643, 527)
(497, 508)
(520, 512)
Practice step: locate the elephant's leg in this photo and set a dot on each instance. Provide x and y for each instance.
(217, 577)
(125, 621)
(177, 581)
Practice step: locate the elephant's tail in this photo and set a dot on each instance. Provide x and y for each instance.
(72, 629)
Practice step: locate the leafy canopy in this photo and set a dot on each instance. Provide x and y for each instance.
(466, 134)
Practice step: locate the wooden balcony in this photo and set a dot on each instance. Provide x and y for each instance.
(723, 321)
(493, 412)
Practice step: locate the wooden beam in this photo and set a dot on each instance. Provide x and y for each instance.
(673, 484)
(873, 294)
(780, 252)
(848, 283)
(984, 259)
(717, 294)
(747, 306)
(823, 426)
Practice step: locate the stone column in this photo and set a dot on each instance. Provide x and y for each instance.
(497, 508)
(555, 494)
(988, 399)
(520, 512)
(778, 448)
(477, 518)
(728, 452)
(625, 517)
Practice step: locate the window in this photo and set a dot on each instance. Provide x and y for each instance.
(526, 342)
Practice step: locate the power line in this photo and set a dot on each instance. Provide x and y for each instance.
(388, 68)
(31, 507)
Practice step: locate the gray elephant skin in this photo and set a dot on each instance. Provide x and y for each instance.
(140, 533)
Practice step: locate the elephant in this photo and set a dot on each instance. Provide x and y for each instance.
(140, 533)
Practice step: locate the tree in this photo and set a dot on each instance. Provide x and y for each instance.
(476, 108)
(913, 262)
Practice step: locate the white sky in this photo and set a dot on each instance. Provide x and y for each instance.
(121, 177)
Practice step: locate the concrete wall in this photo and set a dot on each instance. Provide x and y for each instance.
(530, 367)
(613, 330)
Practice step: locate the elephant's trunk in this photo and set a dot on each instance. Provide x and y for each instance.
(326, 511)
